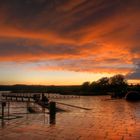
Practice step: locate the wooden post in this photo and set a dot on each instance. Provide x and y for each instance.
(52, 109)
(8, 109)
(3, 104)
(27, 105)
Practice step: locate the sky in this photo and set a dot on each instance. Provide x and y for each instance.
(68, 42)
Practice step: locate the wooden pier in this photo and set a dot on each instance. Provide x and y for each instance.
(35, 98)
(6, 98)
(24, 97)
(19, 97)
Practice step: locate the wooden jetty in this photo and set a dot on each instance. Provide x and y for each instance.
(28, 98)
(19, 97)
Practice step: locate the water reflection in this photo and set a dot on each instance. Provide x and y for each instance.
(2, 123)
(52, 119)
(112, 119)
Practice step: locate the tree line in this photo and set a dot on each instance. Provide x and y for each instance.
(117, 86)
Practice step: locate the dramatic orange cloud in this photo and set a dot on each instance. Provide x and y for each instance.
(96, 36)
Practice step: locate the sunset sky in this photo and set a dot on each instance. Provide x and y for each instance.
(67, 42)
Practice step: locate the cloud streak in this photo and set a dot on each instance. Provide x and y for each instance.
(90, 36)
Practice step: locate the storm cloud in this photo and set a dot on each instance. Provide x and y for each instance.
(74, 35)
(135, 74)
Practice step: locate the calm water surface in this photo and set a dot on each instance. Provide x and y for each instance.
(105, 119)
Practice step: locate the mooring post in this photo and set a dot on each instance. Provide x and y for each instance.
(27, 106)
(8, 109)
(52, 109)
(3, 104)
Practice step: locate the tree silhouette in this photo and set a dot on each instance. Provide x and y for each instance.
(103, 81)
(118, 85)
(85, 86)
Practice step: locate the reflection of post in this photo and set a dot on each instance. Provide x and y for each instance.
(27, 110)
(44, 115)
(8, 109)
(2, 123)
(52, 109)
(3, 104)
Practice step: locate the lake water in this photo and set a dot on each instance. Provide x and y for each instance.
(100, 118)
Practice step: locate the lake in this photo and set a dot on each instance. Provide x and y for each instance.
(100, 118)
